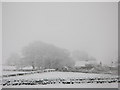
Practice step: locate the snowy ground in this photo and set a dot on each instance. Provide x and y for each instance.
(52, 75)
(106, 85)
(64, 75)
(11, 72)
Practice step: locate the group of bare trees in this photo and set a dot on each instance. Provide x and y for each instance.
(41, 55)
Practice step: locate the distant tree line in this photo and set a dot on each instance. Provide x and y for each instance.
(41, 55)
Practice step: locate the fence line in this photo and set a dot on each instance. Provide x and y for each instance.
(7, 82)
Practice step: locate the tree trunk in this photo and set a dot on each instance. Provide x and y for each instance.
(33, 67)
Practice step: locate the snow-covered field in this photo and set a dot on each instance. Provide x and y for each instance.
(52, 75)
(64, 75)
(12, 72)
(88, 85)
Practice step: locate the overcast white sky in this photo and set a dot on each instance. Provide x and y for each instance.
(90, 27)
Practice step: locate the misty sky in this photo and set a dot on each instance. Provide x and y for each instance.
(90, 27)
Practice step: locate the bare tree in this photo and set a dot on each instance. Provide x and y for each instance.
(46, 56)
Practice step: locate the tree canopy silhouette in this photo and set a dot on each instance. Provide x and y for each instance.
(43, 55)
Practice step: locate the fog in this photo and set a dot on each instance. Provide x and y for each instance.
(89, 27)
